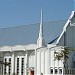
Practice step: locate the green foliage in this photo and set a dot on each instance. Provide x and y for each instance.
(63, 54)
(41, 74)
(14, 74)
(6, 63)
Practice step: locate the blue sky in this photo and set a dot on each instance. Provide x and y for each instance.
(23, 12)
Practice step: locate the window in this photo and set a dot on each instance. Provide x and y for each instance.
(70, 72)
(51, 71)
(22, 66)
(9, 66)
(56, 71)
(17, 66)
(60, 71)
(5, 66)
(66, 71)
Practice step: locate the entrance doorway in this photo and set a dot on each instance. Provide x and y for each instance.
(31, 72)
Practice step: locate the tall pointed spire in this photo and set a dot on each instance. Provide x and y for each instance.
(40, 41)
(41, 25)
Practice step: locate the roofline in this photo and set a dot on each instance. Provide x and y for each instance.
(31, 24)
(18, 48)
(65, 26)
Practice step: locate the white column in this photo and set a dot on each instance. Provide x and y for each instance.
(7, 67)
(63, 71)
(40, 62)
(44, 62)
(16, 65)
(48, 62)
(58, 67)
(54, 64)
(26, 63)
(35, 72)
(20, 65)
(13, 63)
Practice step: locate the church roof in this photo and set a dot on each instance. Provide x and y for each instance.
(69, 21)
(28, 34)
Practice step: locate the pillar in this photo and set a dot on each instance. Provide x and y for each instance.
(13, 63)
(35, 72)
(26, 63)
(48, 62)
(40, 61)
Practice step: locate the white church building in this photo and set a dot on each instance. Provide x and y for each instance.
(20, 55)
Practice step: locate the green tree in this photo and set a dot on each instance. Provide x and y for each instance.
(63, 55)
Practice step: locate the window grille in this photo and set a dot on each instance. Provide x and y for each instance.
(22, 66)
(17, 66)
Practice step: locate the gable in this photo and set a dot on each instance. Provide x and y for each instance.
(67, 37)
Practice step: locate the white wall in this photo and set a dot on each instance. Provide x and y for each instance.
(42, 61)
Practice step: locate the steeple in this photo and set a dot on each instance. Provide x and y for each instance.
(41, 25)
(40, 41)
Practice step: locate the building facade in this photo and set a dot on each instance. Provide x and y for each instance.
(39, 59)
